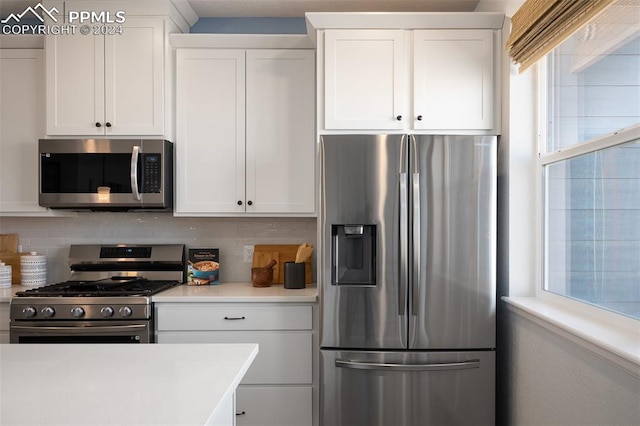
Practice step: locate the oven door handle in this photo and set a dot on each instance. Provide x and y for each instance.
(79, 330)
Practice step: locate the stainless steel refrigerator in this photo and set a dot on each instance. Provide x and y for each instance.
(407, 280)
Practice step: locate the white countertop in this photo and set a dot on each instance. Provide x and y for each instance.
(168, 384)
(7, 293)
(236, 292)
(226, 292)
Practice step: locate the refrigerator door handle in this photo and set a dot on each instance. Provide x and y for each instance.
(404, 244)
(404, 233)
(414, 281)
(415, 272)
(465, 365)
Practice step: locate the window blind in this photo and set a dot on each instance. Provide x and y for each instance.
(540, 25)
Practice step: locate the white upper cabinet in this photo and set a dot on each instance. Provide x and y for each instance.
(21, 125)
(280, 169)
(109, 84)
(453, 80)
(365, 79)
(429, 73)
(245, 132)
(210, 148)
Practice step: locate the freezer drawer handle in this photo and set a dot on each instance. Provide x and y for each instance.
(465, 365)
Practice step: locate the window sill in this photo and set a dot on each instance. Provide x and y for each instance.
(616, 344)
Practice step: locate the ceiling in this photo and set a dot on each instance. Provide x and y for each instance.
(292, 8)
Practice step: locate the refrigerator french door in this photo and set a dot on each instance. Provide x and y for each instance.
(408, 232)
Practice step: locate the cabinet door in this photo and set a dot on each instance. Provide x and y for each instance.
(364, 79)
(21, 125)
(210, 148)
(134, 79)
(274, 406)
(453, 80)
(4, 315)
(75, 84)
(280, 131)
(285, 357)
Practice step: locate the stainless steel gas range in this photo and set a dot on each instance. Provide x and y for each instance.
(106, 300)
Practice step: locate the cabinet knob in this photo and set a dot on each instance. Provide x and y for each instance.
(399, 118)
(239, 202)
(98, 124)
(250, 202)
(419, 118)
(108, 124)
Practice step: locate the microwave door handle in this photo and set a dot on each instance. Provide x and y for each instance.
(135, 153)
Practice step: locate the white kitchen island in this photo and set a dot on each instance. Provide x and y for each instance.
(170, 384)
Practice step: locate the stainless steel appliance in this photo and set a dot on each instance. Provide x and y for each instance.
(106, 174)
(407, 280)
(107, 299)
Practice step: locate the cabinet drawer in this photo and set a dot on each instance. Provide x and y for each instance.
(196, 316)
(274, 406)
(283, 357)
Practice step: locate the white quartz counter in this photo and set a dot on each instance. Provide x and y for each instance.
(7, 293)
(236, 292)
(170, 384)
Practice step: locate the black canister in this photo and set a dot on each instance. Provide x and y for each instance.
(294, 275)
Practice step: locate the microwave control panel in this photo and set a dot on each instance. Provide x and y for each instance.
(152, 173)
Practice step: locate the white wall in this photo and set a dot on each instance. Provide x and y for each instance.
(543, 379)
(554, 382)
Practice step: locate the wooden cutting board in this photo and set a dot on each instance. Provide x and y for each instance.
(9, 243)
(10, 256)
(13, 259)
(286, 253)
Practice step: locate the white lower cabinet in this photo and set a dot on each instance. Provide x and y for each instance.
(281, 405)
(278, 387)
(4, 323)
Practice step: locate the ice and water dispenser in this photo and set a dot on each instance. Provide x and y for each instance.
(353, 254)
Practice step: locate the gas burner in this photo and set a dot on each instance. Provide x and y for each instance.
(109, 287)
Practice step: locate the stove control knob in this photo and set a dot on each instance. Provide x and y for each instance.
(126, 311)
(29, 312)
(77, 312)
(107, 311)
(48, 311)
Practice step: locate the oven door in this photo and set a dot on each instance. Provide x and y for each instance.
(81, 332)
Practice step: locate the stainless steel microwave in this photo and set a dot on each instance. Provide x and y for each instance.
(106, 174)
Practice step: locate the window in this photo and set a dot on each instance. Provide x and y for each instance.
(590, 164)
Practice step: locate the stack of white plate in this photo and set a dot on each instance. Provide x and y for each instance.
(5, 275)
(33, 270)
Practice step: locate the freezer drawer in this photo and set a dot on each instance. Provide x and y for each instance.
(367, 388)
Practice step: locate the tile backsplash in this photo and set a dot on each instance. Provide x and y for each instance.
(52, 236)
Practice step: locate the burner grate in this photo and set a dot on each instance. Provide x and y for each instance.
(111, 287)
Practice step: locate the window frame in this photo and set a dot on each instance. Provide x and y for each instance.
(574, 306)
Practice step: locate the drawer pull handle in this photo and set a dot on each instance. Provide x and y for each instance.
(233, 318)
(241, 413)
